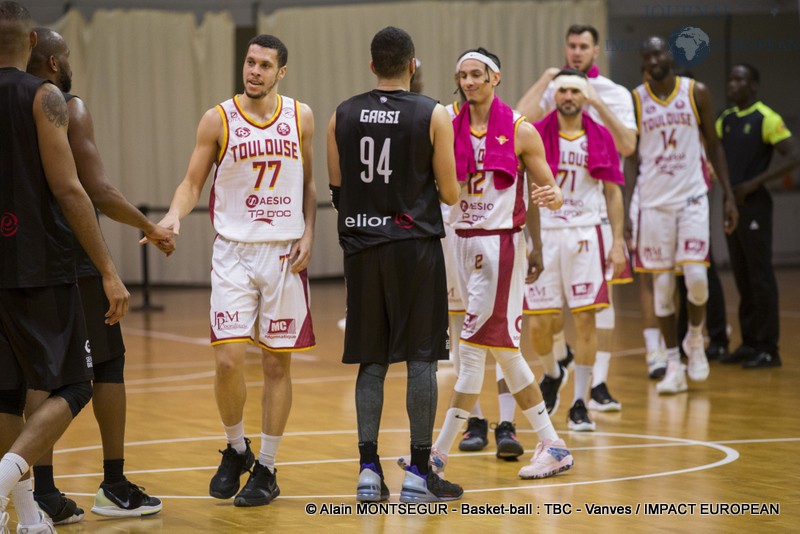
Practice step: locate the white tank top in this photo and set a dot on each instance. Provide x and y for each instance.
(583, 195)
(670, 148)
(257, 193)
(481, 206)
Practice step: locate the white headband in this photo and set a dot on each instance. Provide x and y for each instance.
(573, 81)
(480, 57)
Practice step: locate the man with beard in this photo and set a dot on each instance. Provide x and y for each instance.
(673, 203)
(610, 105)
(263, 206)
(583, 157)
(116, 496)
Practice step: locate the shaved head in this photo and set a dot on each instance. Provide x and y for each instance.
(16, 25)
(50, 59)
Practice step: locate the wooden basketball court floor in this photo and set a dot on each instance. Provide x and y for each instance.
(723, 457)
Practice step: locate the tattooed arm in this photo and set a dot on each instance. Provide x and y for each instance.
(52, 119)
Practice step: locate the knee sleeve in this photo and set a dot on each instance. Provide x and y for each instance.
(110, 372)
(77, 395)
(12, 401)
(517, 372)
(664, 293)
(470, 374)
(696, 277)
(605, 319)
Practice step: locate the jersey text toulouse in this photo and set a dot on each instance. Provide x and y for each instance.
(385, 158)
(35, 241)
(257, 194)
(671, 171)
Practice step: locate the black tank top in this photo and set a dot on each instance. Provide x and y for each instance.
(385, 157)
(36, 245)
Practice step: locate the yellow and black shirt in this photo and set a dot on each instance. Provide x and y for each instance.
(748, 136)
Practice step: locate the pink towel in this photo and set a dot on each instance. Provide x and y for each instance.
(500, 156)
(593, 72)
(603, 160)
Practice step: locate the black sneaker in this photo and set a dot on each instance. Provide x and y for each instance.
(124, 499)
(716, 352)
(761, 360)
(475, 438)
(602, 401)
(579, 418)
(551, 387)
(261, 488)
(508, 446)
(741, 354)
(61, 509)
(568, 359)
(441, 488)
(225, 482)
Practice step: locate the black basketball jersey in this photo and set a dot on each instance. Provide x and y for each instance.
(36, 247)
(388, 190)
(83, 264)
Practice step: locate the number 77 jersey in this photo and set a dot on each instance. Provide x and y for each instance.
(670, 147)
(257, 194)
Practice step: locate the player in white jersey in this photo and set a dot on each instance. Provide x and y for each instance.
(493, 147)
(610, 105)
(673, 227)
(586, 162)
(475, 437)
(263, 206)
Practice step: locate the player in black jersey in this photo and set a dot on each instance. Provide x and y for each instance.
(42, 334)
(116, 496)
(390, 162)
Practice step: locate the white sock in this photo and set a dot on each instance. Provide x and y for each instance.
(27, 511)
(600, 369)
(540, 421)
(508, 406)
(673, 355)
(550, 364)
(476, 410)
(652, 339)
(582, 375)
(12, 467)
(269, 448)
(453, 425)
(559, 345)
(696, 330)
(235, 435)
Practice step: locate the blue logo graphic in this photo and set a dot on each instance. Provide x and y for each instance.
(689, 45)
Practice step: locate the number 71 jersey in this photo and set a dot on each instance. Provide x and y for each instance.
(257, 194)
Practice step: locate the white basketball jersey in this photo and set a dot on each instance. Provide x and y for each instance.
(670, 149)
(481, 205)
(583, 195)
(257, 194)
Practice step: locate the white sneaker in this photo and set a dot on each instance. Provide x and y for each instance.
(674, 381)
(44, 526)
(694, 348)
(550, 458)
(656, 363)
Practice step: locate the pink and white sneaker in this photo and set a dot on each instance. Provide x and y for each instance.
(550, 458)
(437, 461)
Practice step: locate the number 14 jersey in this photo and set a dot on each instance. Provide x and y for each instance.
(257, 195)
(670, 149)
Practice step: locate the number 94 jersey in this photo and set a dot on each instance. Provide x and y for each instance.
(385, 159)
(257, 193)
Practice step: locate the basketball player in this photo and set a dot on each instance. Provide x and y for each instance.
(43, 340)
(263, 206)
(390, 163)
(610, 105)
(116, 497)
(674, 215)
(584, 158)
(494, 147)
